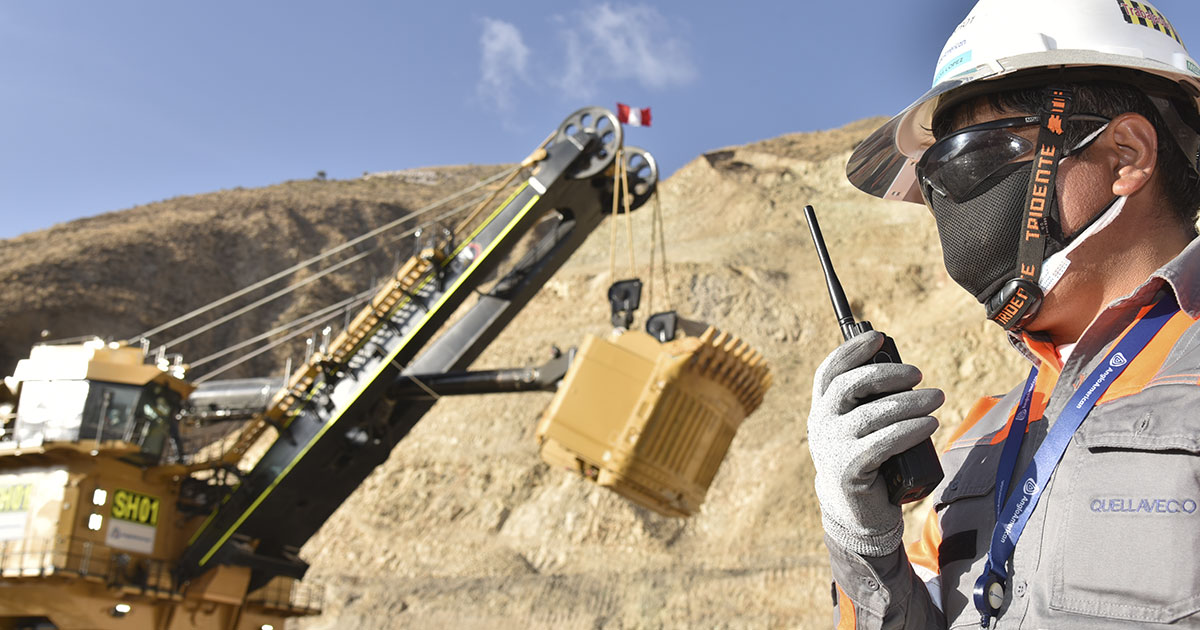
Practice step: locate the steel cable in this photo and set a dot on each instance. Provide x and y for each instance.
(250, 355)
(239, 345)
(346, 303)
(319, 257)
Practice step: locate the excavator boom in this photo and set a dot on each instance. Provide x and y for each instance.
(337, 421)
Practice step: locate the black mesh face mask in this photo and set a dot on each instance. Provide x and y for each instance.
(978, 197)
(979, 236)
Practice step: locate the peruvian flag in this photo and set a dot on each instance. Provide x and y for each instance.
(633, 116)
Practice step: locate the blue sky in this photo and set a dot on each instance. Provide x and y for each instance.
(107, 105)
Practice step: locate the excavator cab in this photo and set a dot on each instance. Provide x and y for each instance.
(91, 396)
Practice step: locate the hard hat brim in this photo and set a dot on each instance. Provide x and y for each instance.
(883, 164)
(878, 167)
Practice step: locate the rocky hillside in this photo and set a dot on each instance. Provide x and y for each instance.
(463, 527)
(120, 274)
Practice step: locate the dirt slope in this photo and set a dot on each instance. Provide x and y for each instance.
(479, 535)
(119, 274)
(463, 527)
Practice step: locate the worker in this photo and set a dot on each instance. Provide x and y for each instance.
(1057, 153)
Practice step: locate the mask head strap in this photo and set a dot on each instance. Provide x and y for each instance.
(1021, 296)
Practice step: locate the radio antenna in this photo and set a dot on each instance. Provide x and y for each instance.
(841, 307)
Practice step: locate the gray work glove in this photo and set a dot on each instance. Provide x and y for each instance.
(850, 438)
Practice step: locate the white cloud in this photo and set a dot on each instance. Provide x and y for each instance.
(624, 43)
(505, 58)
(600, 44)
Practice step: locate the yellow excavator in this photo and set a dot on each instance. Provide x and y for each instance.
(126, 503)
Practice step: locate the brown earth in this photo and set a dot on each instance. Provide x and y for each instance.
(119, 274)
(463, 527)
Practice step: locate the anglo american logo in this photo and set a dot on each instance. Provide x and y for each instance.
(1117, 360)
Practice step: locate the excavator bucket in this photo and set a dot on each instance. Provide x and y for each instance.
(653, 421)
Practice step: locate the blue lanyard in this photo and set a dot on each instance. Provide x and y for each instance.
(1013, 514)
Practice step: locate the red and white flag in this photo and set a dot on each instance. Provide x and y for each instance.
(633, 116)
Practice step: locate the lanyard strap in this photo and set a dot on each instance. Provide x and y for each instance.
(1012, 443)
(1012, 516)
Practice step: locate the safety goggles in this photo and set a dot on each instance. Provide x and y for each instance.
(958, 166)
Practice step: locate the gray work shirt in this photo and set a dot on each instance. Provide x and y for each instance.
(1114, 541)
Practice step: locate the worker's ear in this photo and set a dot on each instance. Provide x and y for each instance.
(1133, 143)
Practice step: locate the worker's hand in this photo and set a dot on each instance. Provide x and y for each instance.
(850, 438)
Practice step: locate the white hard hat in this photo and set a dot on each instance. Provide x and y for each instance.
(1002, 38)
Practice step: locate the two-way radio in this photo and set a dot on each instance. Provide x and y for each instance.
(913, 474)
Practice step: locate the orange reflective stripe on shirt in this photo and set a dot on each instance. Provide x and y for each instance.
(847, 620)
(977, 412)
(1037, 406)
(1047, 352)
(1146, 365)
(1041, 396)
(923, 551)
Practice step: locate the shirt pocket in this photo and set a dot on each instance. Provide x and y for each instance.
(965, 510)
(1129, 535)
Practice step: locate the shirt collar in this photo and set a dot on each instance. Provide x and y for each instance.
(1183, 275)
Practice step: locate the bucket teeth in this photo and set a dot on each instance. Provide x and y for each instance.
(730, 362)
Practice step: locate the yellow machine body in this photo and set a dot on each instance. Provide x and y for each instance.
(90, 523)
(98, 532)
(653, 421)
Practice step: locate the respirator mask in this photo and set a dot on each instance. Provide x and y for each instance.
(992, 194)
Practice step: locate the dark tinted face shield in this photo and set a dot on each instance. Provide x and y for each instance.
(966, 163)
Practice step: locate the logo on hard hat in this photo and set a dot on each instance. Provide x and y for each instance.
(1143, 14)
